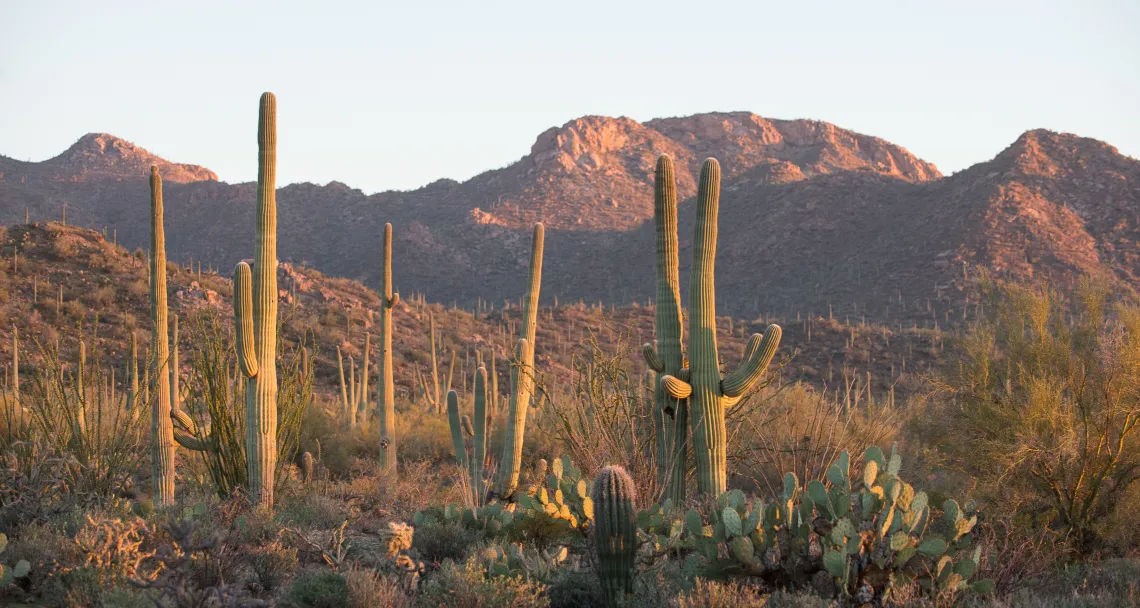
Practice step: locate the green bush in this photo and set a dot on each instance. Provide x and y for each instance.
(1041, 408)
(319, 589)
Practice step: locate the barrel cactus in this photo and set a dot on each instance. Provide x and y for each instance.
(709, 393)
(615, 531)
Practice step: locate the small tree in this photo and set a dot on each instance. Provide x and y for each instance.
(1042, 406)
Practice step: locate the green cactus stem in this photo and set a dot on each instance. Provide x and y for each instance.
(255, 317)
(362, 395)
(479, 432)
(453, 421)
(667, 357)
(162, 430)
(709, 394)
(522, 375)
(343, 386)
(385, 385)
(615, 533)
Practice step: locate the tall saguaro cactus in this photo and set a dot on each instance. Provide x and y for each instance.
(708, 392)
(670, 416)
(522, 375)
(255, 318)
(162, 429)
(385, 386)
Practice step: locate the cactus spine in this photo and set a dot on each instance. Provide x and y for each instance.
(615, 535)
(670, 415)
(522, 375)
(255, 318)
(709, 394)
(385, 386)
(162, 428)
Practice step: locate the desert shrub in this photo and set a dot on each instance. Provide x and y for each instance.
(272, 564)
(715, 594)
(75, 309)
(319, 589)
(1041, 407)
(606, 416)
(370, 589)
(103, 296)
(439, 540)
(467, 585)
(312, 510)
(801, 430)
(217, 390)
(71, 416)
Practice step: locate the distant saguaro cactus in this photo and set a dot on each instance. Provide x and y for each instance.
(162, 428)
(385, 386)
(522, 375)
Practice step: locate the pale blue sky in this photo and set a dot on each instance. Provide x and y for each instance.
(394, 95)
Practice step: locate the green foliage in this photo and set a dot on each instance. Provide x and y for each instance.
(8, 574)
(1041, 409)
(215, 428)
(319, 589)
(873, 535)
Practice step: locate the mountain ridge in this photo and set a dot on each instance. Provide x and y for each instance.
(814, 216)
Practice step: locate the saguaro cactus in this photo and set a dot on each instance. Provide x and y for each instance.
(708, 392)
(385, 385)
(670, 416)
(522, 375)
(255, 318)
(615, 535)
(162, 429)
(453, 422)
(479, 432)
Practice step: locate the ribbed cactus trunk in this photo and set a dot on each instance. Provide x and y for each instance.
(255, 318)
(362, 397)
(175, 395)
(343, 386)
(19, 409)
(522, 375)
(454, 423)
(615, 534)
(353, 391)
(479, 434)
(709, 395)
(162, 429)
(707, 413)
(670, 416)
(385, 385)
(435, 396)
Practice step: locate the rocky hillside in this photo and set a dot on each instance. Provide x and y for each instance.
(814, 217)
(60, 283)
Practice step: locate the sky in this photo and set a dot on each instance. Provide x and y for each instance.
(386, 95)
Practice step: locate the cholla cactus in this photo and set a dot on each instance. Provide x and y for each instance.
(615, 534)
(709, 393)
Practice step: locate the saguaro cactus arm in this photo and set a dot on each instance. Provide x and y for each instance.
(243, 319)
(654, 362)
(758, 355)
(675, 387)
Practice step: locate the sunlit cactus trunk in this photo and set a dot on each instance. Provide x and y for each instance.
(255, 319)
(522, 375)
(670, 415)
(615, 535)
(162, 429)
(385, 385)
(709, 394)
